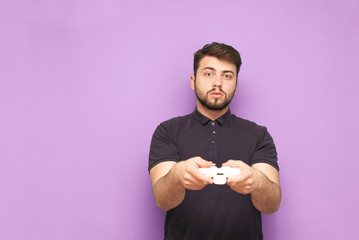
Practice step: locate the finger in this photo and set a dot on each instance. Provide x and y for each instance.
(197, 184)
(191, 181)
(241, 177)
(201, 177)
(238, 164)
(238, 179)
(231, 163)
(201, 162)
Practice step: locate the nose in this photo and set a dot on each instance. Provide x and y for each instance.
(217, 82)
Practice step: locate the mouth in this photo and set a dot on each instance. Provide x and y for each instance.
(216, 93)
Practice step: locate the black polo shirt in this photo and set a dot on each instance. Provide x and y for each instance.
(216, 211)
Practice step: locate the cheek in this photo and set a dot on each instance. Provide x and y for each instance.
(230, 87)
(203, 85)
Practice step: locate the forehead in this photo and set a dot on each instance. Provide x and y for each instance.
(216, 63)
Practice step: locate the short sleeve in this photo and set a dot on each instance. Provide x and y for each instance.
(163, 147)
(265, 151)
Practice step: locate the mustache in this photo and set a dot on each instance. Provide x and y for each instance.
(217, 90)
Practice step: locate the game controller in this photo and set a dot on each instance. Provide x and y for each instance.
(220, 175)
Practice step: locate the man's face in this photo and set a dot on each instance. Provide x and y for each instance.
(215, 83)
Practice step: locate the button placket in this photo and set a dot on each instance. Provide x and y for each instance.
(213, 138)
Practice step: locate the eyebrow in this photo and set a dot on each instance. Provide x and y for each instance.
(228, 71)
(210, 68)
(213, 69)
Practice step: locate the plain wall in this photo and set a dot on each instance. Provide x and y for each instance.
(83, 85)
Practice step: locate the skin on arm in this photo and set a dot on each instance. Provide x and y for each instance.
(170, 180)
(261, 180)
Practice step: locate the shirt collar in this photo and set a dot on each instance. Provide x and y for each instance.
(204, 120)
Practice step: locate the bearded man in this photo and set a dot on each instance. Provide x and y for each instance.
(211, 134)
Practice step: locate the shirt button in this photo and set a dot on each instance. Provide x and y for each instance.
(212, 141)
(213, 132)
(213, 124)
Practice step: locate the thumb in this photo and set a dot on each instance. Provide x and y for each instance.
(231, 163)
(201, 162)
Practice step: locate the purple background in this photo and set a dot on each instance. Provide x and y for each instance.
(83, 85)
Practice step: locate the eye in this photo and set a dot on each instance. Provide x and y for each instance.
(208, 74)
(227, 76)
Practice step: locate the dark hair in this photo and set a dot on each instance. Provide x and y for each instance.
(220, 51)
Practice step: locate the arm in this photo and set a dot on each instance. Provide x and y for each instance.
(170, 181)
(261, 180)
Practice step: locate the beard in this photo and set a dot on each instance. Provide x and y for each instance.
(217, 105)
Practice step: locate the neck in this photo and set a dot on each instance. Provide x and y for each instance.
(211, 114)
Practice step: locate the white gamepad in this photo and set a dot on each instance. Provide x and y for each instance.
(220, 175)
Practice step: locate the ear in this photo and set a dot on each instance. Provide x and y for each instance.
(235, 90)
(193, 79)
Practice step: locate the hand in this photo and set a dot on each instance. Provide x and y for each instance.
(189, 175)
(248, 181)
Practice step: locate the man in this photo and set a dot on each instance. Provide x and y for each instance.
(197, 208)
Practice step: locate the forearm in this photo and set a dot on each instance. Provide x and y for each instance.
(170, 180)
(267, 197)
(168, 191)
